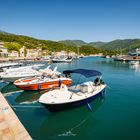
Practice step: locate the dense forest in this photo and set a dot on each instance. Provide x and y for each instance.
(15, 42)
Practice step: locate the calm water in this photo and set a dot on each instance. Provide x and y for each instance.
(117, 117)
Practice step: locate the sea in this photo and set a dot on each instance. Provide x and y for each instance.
(116, 116)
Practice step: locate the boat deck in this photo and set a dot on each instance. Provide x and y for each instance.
(10, 126)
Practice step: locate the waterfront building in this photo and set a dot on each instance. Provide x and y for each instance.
(3, 50)
(34, 53)
(13, 54)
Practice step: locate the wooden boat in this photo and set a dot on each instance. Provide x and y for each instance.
(41, 83)
(82, 94)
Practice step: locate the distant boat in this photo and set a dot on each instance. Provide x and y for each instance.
(82, 94)
(134, 62)
(62, 60)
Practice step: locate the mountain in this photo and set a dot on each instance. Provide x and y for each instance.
(15, 42)
(125, 45)
(81, 43)
(73, 42)
(3, 32)
(97, 44)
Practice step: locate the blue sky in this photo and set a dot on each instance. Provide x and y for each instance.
(88, 20)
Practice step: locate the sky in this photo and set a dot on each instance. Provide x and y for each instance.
(87, 20)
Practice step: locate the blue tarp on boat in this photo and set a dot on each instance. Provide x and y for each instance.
(84, 72)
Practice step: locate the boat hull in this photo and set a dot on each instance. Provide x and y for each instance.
(55, 61)
(45, 85)
(63, 106)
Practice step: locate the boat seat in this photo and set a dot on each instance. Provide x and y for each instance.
(63, 87)
(87, 88)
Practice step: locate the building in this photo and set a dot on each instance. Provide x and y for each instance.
(72, 54)
(33, 53)
(13, 54)
(22, 52)
(3, 50)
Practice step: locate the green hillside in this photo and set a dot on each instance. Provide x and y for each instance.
(97, 44)
(15, 42)
(123, 45)
(73, 42)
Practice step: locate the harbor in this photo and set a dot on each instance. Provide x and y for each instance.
(118, 106)
(70, 70)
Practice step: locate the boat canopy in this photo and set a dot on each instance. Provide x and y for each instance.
(87, 73)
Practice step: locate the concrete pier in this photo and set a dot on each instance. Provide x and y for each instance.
(10, 126)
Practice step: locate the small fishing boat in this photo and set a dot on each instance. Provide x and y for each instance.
(74, 96)
(41, 83)
(47, 80)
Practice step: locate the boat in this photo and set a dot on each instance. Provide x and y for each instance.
(41, 83)
(49, 71)
(134, 62)
(12, 74)
(6, 65)
(74, 96)
(47, 80)
(62, 60)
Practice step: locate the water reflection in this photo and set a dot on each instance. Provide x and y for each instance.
(27, 97)
(135, 67)
(3, 84)
(111, 63)
(70, 123)
(9, 89)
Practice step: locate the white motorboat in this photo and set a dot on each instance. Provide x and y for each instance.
(12, 74)
(82, 94)
(62, 60)
(7, 64)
